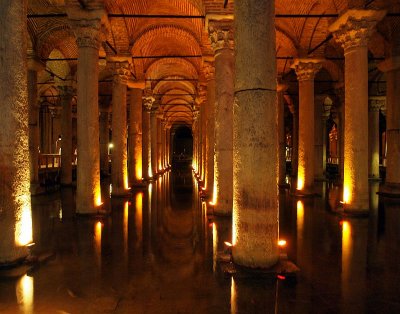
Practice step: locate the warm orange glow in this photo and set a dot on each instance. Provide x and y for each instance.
(282, 243)
(139, 216)
(347, 247)
(214, 198)
(24, 293)
(215, 245)
(138, 172)
(228, 244)
(346, 193)
(97, 240)
(300, 220)
(126, 183)
(233, 296)
(23, 225)
(97, 196)
(125, 226)
(300, 181)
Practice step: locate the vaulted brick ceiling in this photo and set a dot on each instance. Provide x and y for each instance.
(146, 38)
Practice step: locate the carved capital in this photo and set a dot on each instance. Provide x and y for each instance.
(221, 34)
(376, 103)
(354, 28)
(208, 70)
(196, 114)
(148, 100)
(306, 68)
(121, 72)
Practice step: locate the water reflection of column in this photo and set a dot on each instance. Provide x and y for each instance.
(222, 232)
(248, 296)
(25, 292)
(146, 210)
(98, 228)
(354, 263)
(372, 249)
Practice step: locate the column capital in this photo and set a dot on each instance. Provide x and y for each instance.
(220, 31)
(327, 106)
(306, 68)
(196, 115)
(353, 28)
(209, 68)
(67, 88)
(389, 64)
(90, 26)
(121, 68)
(148, 99)
(376, 102)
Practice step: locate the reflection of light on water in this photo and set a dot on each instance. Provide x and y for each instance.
(139, 216)
(215, 245)
(347, 247)
(126, 216)
(300, 217)
(233, 297)
(60, 214)
(24, 292)
(23, 225)
(97, 240)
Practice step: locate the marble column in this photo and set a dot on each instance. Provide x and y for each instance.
(34, 66)
(295, 137)
(319, 134)
(352, 30)
(210, 126)
(221, 36)
(306, 70)
(88, 30)
(104, 126)
(153, 140)
(281, 88)
(119, 157)
(255, 225)
(148, 101)
(163, 145)
(135, 135)
(66, 93)
(326, 112)
(375, 103)
(15, 197)
(160, 118)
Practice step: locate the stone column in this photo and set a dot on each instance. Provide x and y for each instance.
(326, 112)
(210, 127)
(352, 30)
(66, 93)
(104, 142)
(159, 142)
(119, 157)
(15, 197)
(375, 103)
(135, 135)
(306, 70)
(221, 36)
(153, 140)
(392, 181)
(319, 138)
(295, 137)
(34, 66)
(148, 101)
(281, 88)
(255, 203)
(88, 29)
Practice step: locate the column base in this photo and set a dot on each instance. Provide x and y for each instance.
(138, 185)
(305, 193)
(37, 189)
(284, 186)
(216, 212)
(390, 190)
(346, 211)
(121, 193)
(320, 179)
(374, 178)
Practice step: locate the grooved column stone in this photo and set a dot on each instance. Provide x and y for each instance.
(255, 201)
(221, 36)
(119, 156)
(66, 94)
(135, 137)
(375, 103)
(352, 31)
(148, 101)
(392, 68)
(15, 197)
(306, 70)
(210, 141)
(88, 30)
(34, 132)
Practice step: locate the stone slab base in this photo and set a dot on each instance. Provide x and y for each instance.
(341, 211)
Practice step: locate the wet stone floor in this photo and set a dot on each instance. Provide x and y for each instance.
(156, 253)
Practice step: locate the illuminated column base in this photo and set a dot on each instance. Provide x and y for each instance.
(15, 197)
(352, 31)
(119, 158)
(255, 223)
(373, 133)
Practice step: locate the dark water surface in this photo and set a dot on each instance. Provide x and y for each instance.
(156, 253)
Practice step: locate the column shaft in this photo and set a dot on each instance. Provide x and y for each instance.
(153, 142)
(147, 173)
(104, 142)
(281, 139)
(66, 137)
(373, 138)
(135, 137)
(210, 135)
(255, 201)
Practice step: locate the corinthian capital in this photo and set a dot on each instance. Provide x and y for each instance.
(354, 27)
(121, 67)
(208, 69)
(148, 99)
(306, 68)
(220, 31)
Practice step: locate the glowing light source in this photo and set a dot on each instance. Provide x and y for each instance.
(228, 244)
(300, 183)
(346, 194)
(24, 293)
(97, 240)
(23, 225)
(214, 198)
(110, 145)
(282, 243)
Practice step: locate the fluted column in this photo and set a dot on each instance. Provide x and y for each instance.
(15, 197)
(352, 30)
(392, 181)
(34, 133)
(135, 135)
(221, 36)
(119, 157)
(104, 126)
(148, 101)
(66, 93)
(281, 88)
(375, 103)
(88, 29)
(255, 224)
(210, 127)
(306, 70)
